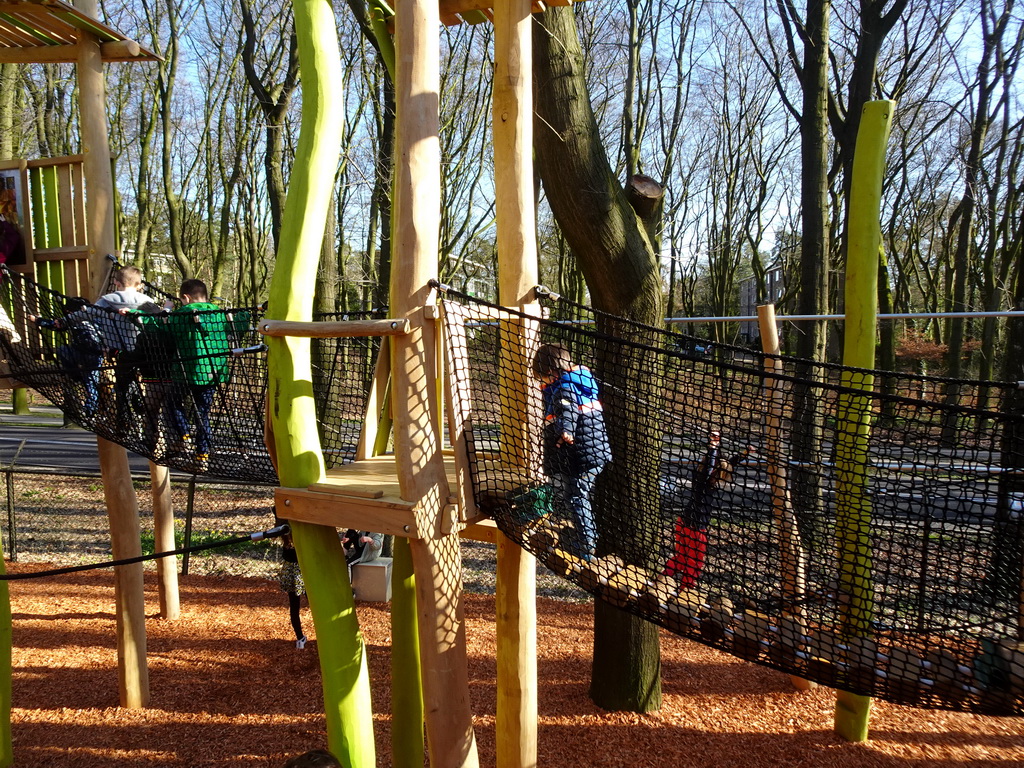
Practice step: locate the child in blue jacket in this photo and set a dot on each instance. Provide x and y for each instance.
(82, 356)
(575, 439)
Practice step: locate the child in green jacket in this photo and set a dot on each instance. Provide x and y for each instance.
(202, 334)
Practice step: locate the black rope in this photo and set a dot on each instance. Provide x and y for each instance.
(279, 530)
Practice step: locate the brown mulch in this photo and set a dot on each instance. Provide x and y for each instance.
(229, 688)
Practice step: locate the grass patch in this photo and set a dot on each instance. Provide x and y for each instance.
(199, 538)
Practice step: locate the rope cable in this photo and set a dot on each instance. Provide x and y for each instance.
(270, 533)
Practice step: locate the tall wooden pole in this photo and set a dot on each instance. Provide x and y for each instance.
(163, 541)
(416, 406)
(791, 555)
(516, 598)
(853, 501)
(122, 504)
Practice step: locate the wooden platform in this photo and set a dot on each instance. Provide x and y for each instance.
(365, 495)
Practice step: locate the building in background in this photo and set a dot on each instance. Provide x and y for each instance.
(748, 301)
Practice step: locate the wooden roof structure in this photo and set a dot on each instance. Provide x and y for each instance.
(47, 31)
(455, 12)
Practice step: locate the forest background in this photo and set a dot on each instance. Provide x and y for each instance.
(704, 96)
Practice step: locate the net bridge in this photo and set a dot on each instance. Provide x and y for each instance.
(859, 529)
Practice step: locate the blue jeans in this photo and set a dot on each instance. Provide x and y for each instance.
(572, 499)
(202, 397)
(84, 367)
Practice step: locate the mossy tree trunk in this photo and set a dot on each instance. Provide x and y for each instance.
(612, 246)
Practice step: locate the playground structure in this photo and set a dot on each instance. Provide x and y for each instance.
(800, 620)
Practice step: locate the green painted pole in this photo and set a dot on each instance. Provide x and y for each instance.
(407, 739)
(343, 666)
(6, 670)
(853, 524)
(46, 224)
(407, 742)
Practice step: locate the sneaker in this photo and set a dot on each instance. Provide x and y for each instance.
(182, 446)
(202, 461)
(301, 643)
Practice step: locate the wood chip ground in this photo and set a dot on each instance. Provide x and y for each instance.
(229, 688)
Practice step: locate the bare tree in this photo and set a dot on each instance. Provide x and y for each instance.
(613, 247)
(271, 63)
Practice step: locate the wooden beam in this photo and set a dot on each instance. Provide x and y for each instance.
(334, 328)
(118, 50)
(64, 253)
(46, 162)
(483, 530)
(389, 516)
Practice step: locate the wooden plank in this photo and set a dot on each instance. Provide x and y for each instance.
(71, 278)
(373, 478)
(84, 281)
(78, 201)
(48, 162)
(485, 530)
(63, 253)
(66, 206)
(338, 511)
(334, 328)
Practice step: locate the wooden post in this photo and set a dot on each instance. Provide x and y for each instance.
(853, 501)
(516, 588)
(163, 541)
(407, 748)
(130, 603)
(792, 561)
(416, 406)
(122, 504)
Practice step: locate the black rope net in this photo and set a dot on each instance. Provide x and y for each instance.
(860, 529)
(183, 387)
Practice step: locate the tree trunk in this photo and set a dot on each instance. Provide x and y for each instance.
(8, 80)
(274, 101)
(614, 252)
(815, 250)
